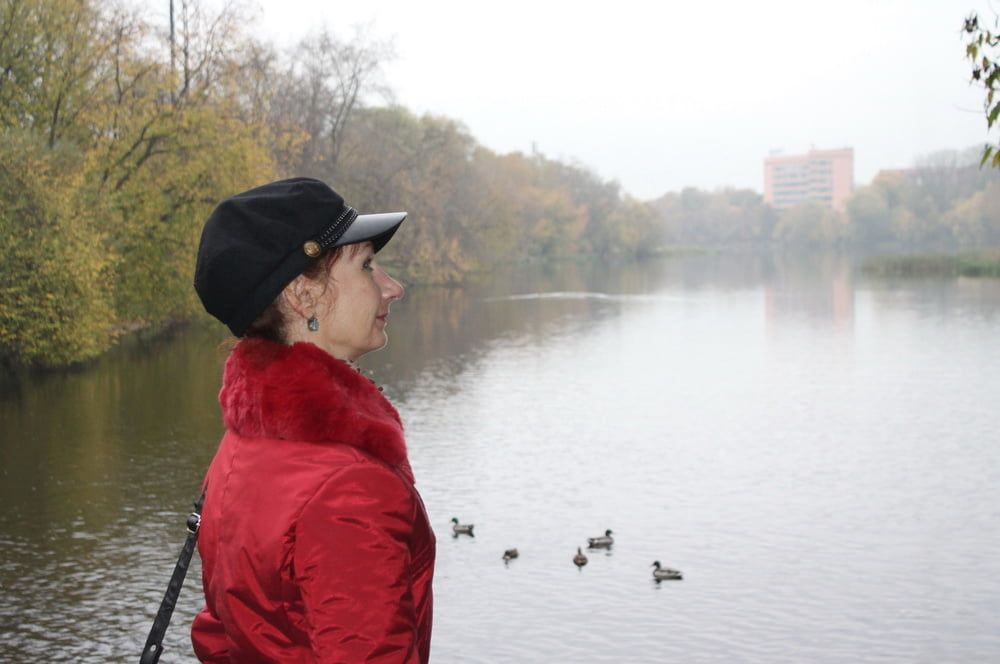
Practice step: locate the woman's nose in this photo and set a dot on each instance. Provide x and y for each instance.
(391, 289)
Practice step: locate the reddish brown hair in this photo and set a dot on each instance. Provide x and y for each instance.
(273, 321)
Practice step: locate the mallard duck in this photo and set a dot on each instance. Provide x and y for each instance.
(579, 559)
(510, 554)
(603, 542)
(665, 573)
(462, 528)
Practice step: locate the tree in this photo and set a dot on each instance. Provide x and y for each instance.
(324, 83)
(54, 272)
(52, 55)
(169, 146)
(108, 167)
(870, 216)
(805, 224)
(983, 51)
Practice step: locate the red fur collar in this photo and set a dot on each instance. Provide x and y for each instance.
(301, 392)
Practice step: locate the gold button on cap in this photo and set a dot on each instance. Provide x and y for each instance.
(312, 248)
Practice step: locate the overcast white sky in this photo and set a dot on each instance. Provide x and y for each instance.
(662, 95)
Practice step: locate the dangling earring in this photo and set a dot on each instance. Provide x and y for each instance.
(313, 323)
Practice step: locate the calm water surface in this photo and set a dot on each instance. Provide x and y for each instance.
(818, 451)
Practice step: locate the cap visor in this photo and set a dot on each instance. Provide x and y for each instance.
(374, 228)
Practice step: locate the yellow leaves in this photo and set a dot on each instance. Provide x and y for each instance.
(101, 208)
(53, 256)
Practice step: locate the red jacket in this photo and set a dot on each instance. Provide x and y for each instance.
(315, 545)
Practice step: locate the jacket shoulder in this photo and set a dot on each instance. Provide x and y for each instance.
(357, 476)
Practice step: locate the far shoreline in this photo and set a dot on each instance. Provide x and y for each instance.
(973, 264)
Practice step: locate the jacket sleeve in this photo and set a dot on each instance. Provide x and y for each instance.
(352, 566)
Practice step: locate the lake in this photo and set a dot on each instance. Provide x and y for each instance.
(816, 449)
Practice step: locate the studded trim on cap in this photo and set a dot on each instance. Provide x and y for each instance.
(330, 236)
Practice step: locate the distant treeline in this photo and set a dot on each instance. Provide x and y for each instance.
(946, 200)
(116, 142)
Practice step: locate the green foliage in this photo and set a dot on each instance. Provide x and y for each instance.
(946, 200)
(726, 216)
(976, 265)
(982, 49)
(53, 266)
(202, 158)
(811, 224)
(633, 229)
(52, 56)
(871, 218)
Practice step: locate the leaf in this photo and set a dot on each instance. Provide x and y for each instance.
(972, 51)
(987, 150)
(994, 113)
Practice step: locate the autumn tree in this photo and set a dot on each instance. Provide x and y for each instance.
(55, 301)
(392, 159)
(726, 216)
(174, 143)
(52, 66)
(124, 162)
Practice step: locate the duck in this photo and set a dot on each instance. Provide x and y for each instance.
(601, 542)
(462, 528)
(579, 559)
(510, 554)
(665, 573)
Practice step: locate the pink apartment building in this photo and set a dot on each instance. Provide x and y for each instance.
(821, 176)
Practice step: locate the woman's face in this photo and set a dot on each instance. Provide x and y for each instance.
(354, 309)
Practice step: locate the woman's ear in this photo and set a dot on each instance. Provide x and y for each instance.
(301, 296)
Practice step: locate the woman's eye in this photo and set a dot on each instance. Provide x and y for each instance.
(367, 265)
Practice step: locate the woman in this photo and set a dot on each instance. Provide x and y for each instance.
(315, 545)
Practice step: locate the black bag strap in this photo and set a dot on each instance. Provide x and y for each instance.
(154, 643)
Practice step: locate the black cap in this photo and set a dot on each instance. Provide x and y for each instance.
(255, 243)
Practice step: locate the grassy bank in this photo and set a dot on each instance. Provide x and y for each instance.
(979, 264)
